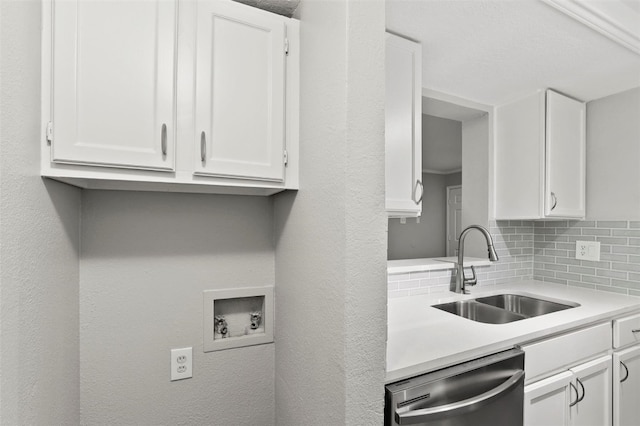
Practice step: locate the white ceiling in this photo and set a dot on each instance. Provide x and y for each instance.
(493, 51)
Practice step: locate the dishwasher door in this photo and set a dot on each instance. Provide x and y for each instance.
(485, 391)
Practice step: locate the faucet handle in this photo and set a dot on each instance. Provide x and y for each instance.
(473, 280)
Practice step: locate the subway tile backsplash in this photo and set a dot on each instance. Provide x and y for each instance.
(617, 271)
(545, 251)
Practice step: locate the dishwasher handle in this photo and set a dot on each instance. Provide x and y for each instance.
(406, 416)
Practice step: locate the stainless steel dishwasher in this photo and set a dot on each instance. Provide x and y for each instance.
(485, 391)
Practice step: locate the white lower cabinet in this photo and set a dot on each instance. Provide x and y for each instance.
(546, 402)
(626, 387)
(626, 371)
(569, 379)
(576, 397)
(592, 381)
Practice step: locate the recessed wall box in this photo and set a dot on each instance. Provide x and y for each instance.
(237, 317)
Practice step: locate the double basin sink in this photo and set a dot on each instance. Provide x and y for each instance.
(504, 308)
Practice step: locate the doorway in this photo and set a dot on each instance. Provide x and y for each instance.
(454, 218)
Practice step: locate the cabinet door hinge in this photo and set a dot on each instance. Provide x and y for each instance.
(286, 157)
(286, 46)
(49, 132)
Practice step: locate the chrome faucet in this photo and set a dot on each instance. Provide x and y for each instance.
(461, 281)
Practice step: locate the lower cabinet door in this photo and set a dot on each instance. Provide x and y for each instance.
(592, 381)
(626, 387)
(546, 402)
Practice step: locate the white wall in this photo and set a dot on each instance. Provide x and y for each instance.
(146, 258)
(331, 240)
(39, 240)
(613, 157)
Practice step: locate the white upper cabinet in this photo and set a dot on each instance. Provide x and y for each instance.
(403, 127)
(113, 82)
(540, 158)
(165, 95)
(565, 157)
(240, 92)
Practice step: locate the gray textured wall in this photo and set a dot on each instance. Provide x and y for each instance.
(331, 241)
(441, 144)
(613, 156)
(39, 240)
(146, 258)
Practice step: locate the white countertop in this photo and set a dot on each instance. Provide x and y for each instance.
(402, 266)
(421, 338)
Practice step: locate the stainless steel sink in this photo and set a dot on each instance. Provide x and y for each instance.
(503, 308)
(479, 312)
(525, 305)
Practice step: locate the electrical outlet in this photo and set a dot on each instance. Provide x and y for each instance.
(588, 250)
(181, 364)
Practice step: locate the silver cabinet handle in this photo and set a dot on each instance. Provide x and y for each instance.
(626, 376)
(555, 200)
(163, 139)
(405, 415)
(582, 387)
(577, 395)
(203, 146)
(637, 330)
(415, 189)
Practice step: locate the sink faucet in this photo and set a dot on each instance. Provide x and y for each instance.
(461, 281)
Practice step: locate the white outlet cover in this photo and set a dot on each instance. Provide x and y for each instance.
(181, 363)
(588, 250)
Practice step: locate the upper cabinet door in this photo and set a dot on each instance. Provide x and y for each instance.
(113, 83)
(240, 92)
(565, 157)
(540, 158)
(403, 127)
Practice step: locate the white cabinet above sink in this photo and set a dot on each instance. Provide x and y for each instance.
(540, 158)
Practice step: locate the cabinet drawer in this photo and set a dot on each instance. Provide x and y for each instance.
(626, 331)
(551, 355)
